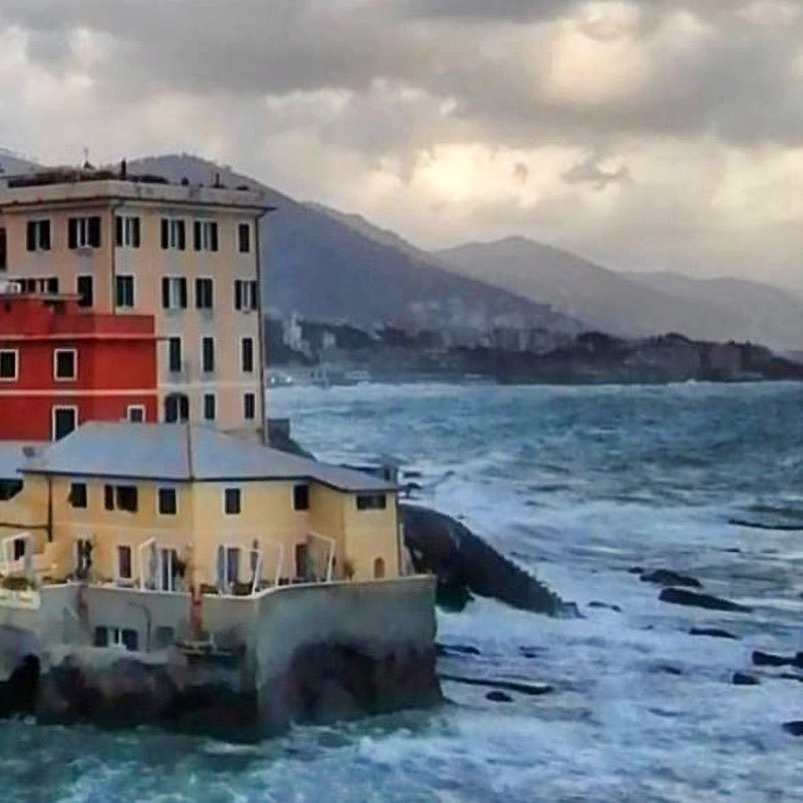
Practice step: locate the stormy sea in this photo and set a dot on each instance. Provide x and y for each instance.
(579, 485)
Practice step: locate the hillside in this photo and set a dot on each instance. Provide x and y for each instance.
(320, 267)
(13, 165)
(634, 304)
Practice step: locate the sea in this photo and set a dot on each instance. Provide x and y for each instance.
(578, 485)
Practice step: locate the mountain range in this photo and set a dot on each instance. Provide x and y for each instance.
(325, 264)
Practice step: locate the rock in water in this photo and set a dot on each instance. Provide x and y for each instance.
(743, 679)
(666, 577)
(680, 596)
(464, 563)
(498, 697)
(768, 659)
(794, 727)
(714, 632)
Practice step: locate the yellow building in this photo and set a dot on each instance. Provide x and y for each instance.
(187, 255)
(157, 506)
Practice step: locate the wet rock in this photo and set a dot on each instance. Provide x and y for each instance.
(635, 570)
(713, 632)
(743, 679)
(790, 676)
(768, 659)
(464, 564)
(795, 727)
(604, 605)
(666, 577)
(498, 697)
(462, 649)
(669, 670)
(505, 685)
(680, 596)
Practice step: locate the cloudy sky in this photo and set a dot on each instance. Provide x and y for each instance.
(648, 134)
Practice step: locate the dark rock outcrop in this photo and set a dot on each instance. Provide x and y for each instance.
(761, 658)
(795, 727)
(680, 596)
(604, 606)
(667, 577)
(743, 679)
(498, 697)
(465, 564)
(505, 685)
(713, 632)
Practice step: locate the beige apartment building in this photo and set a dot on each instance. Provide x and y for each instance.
(187, 255)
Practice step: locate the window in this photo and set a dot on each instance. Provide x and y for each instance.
(167, 501)
(249, 406)
(78, 497)
(173, 233)
(210, 407)
(38, 235)
(19, 548)
(228, 566)
(135, 413)
(244, 238)
(124, 292)
(231, 501)
(124, 563)
(205, 235)
(124, 637)
(65, 364)
(301, 497)
(174, 354)
(3, 250)
(8, 365)
(379, 568)
(83, 232)
(245, 295)
(49, 284)
(177, 408)
(207, 354)
(86, 292)
(204, 294)
(64, 421)
(127, 231)
(120, 497)
(371, 502)
(174, 292)
(9, 488)
(247, 355)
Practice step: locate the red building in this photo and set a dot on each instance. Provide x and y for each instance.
(62, 365)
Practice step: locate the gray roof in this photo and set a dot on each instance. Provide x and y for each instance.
(181, 452)
(13, 457)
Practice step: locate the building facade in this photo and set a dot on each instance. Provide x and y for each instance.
(187, 255)
(61, 365)
(164, 507)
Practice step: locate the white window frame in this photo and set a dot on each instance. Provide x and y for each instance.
(56, 377)
(59, 408)
(203, 368)
(253, 355)
(243, 288)
(82, 231)
(127, 230)
(118, 578)
(139, 407)
(133, 291)
(16, 353)
(174, 293)
(171, 578)
(166, 488)
(172, 232)
(39, 225)
(206, 227)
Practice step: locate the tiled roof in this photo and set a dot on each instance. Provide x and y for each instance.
(181, 452)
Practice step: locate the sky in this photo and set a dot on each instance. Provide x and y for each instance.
(645, 134)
